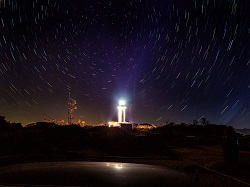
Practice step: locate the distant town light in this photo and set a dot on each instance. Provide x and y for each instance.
(114, 124)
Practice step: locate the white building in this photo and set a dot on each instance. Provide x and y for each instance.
(121, 111)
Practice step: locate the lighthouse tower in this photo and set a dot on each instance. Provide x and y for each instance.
(121, 111)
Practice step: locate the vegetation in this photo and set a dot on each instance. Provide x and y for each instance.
(50, 138)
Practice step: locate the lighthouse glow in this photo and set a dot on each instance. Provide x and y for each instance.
(121, 111)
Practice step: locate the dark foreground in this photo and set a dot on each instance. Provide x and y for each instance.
(190, 169)
(91, 174)
(193, 150)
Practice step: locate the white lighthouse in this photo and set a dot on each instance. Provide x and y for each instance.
(121, 111)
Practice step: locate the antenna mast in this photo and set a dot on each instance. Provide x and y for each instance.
(72, 107)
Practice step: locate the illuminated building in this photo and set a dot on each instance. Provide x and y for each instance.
(121, 111)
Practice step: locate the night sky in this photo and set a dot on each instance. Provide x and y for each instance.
(169, 59)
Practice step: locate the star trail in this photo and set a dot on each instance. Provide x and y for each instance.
(170, 60)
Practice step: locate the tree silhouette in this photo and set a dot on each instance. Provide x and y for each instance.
(195, 122)
(204, 121)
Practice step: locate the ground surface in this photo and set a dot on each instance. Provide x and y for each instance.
(211, 157)
(78, 173)
(204, 163)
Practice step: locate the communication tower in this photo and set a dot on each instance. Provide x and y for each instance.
(72, 107)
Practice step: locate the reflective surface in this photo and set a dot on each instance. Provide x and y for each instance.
(91, 174)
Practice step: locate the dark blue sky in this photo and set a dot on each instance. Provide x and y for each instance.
(171, 60)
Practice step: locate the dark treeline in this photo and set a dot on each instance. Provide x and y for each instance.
(50, 138)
